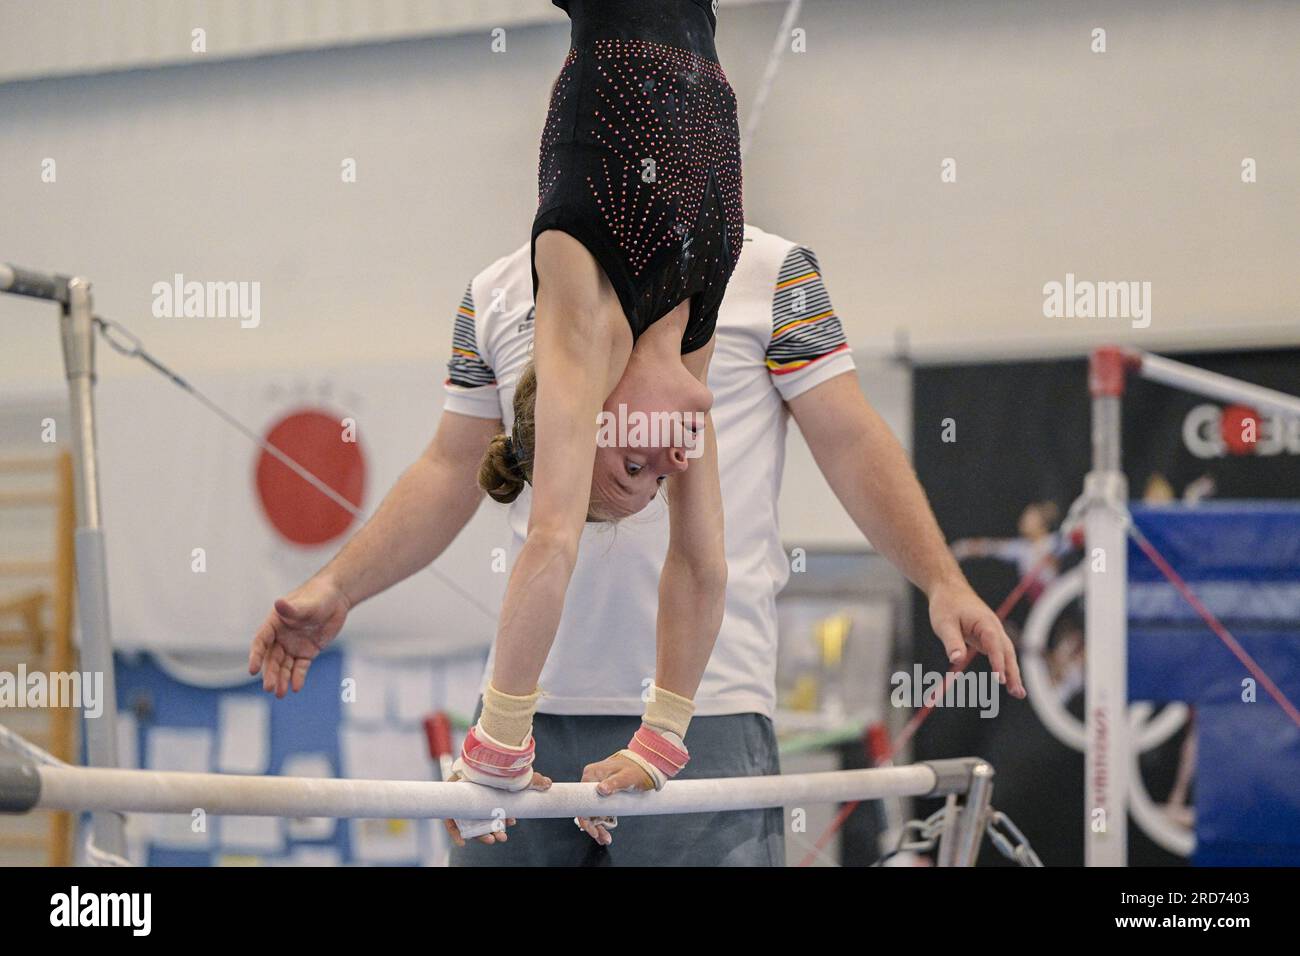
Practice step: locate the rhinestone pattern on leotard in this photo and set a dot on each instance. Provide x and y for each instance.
(548, 166)
(650, 130)
(667, 115)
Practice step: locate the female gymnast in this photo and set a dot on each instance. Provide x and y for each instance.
(638, 229)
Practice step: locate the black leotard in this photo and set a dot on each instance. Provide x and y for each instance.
(640, 157)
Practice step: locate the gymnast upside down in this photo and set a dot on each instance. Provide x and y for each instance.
(637, 232)
(638, 229)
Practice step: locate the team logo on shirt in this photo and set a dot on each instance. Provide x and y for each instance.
(528, 320)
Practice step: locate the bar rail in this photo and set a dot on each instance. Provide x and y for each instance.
(26, 787)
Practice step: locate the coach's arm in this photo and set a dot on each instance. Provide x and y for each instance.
(422, 514)
(871, 476)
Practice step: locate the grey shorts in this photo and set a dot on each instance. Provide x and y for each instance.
(736, 745)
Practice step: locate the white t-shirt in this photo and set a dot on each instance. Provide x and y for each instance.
(777, 337)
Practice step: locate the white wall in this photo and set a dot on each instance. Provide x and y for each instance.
(1123, 165)
(124, 34)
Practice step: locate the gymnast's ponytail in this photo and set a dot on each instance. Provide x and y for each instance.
(508, 463)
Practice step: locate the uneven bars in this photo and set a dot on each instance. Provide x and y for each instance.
(1189, 378)
(26, 787)
(30, 282)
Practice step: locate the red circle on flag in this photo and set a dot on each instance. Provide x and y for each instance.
(299, 511)
(1240, 429)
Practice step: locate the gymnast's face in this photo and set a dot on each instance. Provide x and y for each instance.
(652, 426)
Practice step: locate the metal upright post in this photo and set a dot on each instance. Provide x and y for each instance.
(973, 816)
(1105, 559)
(78, 330)
(947, 850)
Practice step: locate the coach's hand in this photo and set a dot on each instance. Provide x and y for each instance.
(295, 632)
(964, 622)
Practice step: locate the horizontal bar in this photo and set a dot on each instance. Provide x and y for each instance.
(1189, 378)
(38, 285)
(148, 791)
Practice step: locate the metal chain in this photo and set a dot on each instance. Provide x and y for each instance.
(1013, 844)
(928, 832)
(1014, 847)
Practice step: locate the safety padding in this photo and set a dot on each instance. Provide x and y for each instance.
(1243, 561)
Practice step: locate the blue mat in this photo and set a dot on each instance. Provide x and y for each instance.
(1243, 560)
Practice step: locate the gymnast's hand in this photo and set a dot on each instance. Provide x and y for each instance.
(962, 621)
(539, 782)
(611, 775)
(296, 630)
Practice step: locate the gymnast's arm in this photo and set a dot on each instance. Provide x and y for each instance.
(423, 512)
(575, 372)
(692, 595)
(693, 581)
(871, 476)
